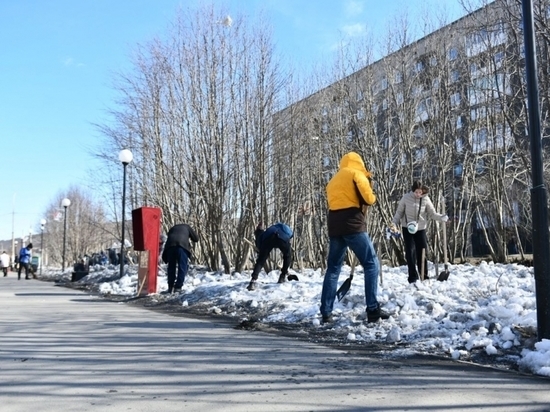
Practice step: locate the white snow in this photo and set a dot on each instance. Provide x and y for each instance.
(489, 308)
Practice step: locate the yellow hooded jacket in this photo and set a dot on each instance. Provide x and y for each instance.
(347, 191)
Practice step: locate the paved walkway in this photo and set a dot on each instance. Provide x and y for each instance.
(63, 350)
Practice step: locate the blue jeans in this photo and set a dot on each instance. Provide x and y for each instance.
(179, 257)
(361, 245)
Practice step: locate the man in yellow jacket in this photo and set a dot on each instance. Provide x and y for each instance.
(347, 192)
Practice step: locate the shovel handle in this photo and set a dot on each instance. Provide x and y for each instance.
(444, 234)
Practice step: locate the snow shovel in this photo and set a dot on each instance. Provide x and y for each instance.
(443, 276)
(344, 289)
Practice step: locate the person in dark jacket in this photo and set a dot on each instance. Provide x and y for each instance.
(177, 251)
(347, 192)
(24, 261)
(276, 236)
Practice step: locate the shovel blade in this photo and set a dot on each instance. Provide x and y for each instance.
(344, 289)
(443, 276)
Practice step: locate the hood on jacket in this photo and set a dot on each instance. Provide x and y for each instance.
(354, 161)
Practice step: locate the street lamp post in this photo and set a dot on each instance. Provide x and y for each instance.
(42, 225)
(125, 156)
(65, 203)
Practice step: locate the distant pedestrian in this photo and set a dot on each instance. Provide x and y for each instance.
(103, 259)
(277, 236)
(24, 261)
(4, 262)
(177, 252)
(113, 259)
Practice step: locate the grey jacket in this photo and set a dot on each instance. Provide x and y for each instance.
(407, 211)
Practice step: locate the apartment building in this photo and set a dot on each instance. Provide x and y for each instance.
(449, 109)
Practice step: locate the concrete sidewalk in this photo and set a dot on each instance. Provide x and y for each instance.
(63, 350)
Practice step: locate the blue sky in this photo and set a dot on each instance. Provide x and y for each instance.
(57, 62)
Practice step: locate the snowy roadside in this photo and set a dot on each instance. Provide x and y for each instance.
(485, 314)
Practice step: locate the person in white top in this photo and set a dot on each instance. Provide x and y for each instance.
(413, 212)
(4, 262)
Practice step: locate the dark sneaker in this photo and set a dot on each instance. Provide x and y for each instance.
(327, 319)
(177, 290)
(166, 292)
(292, 277)
(376, 314)
(282, 278)
(252, 285)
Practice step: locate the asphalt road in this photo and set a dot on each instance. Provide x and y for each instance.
(64, 350)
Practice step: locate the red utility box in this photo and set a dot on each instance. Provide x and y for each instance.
(146, 226)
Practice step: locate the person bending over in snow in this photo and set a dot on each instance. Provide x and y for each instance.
(276, 236)
(177, 251)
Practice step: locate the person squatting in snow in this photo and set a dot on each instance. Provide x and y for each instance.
(177, 251)
(413, 211)
(347, 191)
(276, 236)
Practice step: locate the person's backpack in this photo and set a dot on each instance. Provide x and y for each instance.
(283, 231)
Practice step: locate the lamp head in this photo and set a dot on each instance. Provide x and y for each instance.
(65, 203)
(125, 156)
(227, 21)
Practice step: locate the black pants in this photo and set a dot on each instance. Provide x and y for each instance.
(413, 253)
(178, 258)
(21, 266)
(266, 247)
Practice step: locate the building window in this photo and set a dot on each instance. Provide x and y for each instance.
(422, 109)
(459, 122)
(398, 77)
(458, 170)
(399, 98)
(419, 133)
(416, 90)
(453, 54)
(459, 144)
(420, 154)
(498, 59)
(418, 67)
(454, 76)
(455, 99)
(479, 140)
